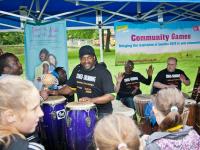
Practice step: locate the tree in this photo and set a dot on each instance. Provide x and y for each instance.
(80, 34)
(107, 48)
(11, 38)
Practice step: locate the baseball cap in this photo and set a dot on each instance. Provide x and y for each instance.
(86, 50)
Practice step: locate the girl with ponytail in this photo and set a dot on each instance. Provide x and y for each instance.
(168, 110)
(116, 132)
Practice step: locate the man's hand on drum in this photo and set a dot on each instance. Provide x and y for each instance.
(135, 90)
(150, 70)
(85, 99)
(53, 92)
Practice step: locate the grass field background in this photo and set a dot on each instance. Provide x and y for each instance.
(190, 64)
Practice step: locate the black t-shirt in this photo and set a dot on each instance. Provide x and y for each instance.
(131, 82)
(166, 77)
(17, 143)
(93, 83)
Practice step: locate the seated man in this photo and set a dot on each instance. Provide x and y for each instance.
(92, 82)
(129, 86)
(170, 77)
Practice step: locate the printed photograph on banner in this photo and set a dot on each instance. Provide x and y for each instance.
(45, 49)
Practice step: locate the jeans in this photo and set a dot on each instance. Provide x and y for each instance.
(101, 115)
(128, 101)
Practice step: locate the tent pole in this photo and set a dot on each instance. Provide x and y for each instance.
(99, 24)
(100, 44)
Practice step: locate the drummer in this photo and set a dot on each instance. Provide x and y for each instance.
(170, 77)
(128, 83)
(92, 82)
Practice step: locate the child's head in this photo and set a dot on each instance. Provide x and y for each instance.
(52, 59)
(169, 105)
(116, 132)
(19, 106)
(62, 75)
(43, 54)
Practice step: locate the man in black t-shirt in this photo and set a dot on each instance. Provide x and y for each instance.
(92, 82)
(170, 77)
(128, 83)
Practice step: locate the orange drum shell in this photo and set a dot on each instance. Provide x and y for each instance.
(140, 101)
(192, 113)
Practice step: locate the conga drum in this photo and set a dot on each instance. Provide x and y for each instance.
(53, 123)
(119, 108)
(190, 112)
(81, 119)
(140, 101)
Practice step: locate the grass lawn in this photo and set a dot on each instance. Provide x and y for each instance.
(189, 65)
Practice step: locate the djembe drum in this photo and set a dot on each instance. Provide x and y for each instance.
(140, 101)
(81, 119)
(143, 122)
(189, 114)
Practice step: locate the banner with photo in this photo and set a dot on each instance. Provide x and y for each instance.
(45, 44)
(149, 42)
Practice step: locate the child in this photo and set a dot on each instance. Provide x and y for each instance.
(168, 110)
(116, 132)
(19, 113)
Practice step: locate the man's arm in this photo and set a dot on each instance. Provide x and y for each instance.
(99, 100)
(66, 90)
(185, 80)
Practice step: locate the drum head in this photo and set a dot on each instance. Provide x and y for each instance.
(190, 102)
(54, 100)
(143, 97)
(80, 105)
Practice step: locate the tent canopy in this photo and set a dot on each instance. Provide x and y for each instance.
(83, 14)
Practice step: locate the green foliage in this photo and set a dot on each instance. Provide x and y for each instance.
(82, 34)
(11, 38)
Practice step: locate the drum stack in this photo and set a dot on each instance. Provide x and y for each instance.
(143, 122)
(69, 128)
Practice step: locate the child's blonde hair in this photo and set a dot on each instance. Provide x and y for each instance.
(116, 132)
(165, 101)
(14, 94)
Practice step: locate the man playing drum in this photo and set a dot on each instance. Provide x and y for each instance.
(92, 82)
(170, 77)
(128, 83)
